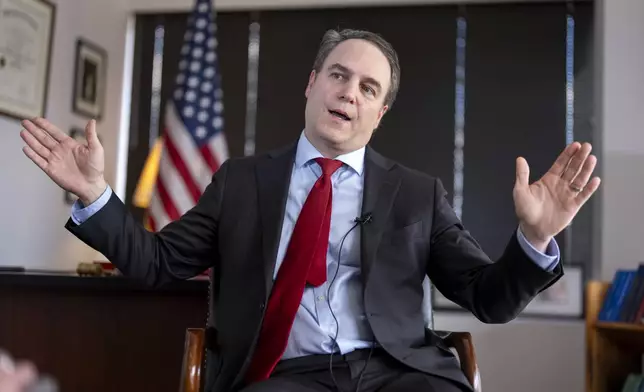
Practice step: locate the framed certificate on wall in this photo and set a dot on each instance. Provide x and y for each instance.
(26, 32)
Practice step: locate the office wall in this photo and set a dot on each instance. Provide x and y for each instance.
(32, 207)
(620, 123)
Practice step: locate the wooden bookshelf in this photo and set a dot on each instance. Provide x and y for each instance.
(613, 350)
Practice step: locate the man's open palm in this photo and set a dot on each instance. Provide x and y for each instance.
(74, 166)
(548, 205)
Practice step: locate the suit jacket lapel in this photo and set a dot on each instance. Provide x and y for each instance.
(273, 180)
(381, 184)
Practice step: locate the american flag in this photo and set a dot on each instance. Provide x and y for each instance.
(194, 144)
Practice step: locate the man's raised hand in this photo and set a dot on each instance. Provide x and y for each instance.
(548, 205)
(75, 167)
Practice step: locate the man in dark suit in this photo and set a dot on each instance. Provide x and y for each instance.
(319, 250)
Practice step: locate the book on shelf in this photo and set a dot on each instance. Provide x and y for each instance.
(624, 300)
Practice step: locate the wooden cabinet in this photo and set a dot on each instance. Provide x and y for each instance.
(100, 334)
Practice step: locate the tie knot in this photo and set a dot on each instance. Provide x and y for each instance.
(329, 166)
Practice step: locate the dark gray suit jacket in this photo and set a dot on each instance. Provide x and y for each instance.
(235, 229)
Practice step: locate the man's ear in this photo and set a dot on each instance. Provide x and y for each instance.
(382, 112)
(310, 84)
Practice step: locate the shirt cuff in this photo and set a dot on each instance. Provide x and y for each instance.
(81, 213)
(547, 261)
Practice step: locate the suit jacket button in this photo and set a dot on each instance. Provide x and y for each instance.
(261, 306)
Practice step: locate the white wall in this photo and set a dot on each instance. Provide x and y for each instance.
(527, 355)
(621, 125)
(32, 207)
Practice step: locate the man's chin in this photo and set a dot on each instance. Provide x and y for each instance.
(335, 137)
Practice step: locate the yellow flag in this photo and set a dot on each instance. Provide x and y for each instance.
(144, 187)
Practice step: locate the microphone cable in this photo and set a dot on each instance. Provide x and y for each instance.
(359, 221)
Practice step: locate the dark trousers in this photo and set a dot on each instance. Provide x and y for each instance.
(378, 372)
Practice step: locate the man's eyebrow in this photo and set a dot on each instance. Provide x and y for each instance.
(340, 67)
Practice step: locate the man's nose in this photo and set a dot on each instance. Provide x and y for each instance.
(348, 93)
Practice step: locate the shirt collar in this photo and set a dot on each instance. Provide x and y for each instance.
(306, 152)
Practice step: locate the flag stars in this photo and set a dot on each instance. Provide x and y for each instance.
(206, 87)
(203, 116)
(198, 94)
(201, 132)
(197, 53)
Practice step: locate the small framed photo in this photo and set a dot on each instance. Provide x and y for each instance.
(564, 299)
(89, 80)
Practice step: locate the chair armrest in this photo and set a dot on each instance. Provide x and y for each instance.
(193, 351)
(463, 344)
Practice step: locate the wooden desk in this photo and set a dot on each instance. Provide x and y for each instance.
(100, 333)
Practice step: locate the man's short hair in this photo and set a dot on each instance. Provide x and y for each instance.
(333, 38)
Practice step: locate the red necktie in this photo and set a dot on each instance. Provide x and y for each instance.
(304, 262)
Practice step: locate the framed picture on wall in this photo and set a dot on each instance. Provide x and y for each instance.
(565, 298)
(26, 31)
(89, 80)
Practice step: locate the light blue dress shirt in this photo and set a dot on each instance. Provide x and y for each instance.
(315, 327)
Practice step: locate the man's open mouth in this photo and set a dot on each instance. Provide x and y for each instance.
(340, 115)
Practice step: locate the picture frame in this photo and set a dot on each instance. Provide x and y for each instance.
(90, 80)
(564, 299)
(26, 31)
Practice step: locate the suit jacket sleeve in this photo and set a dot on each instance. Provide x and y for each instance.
(181, 250)
(495, 292)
